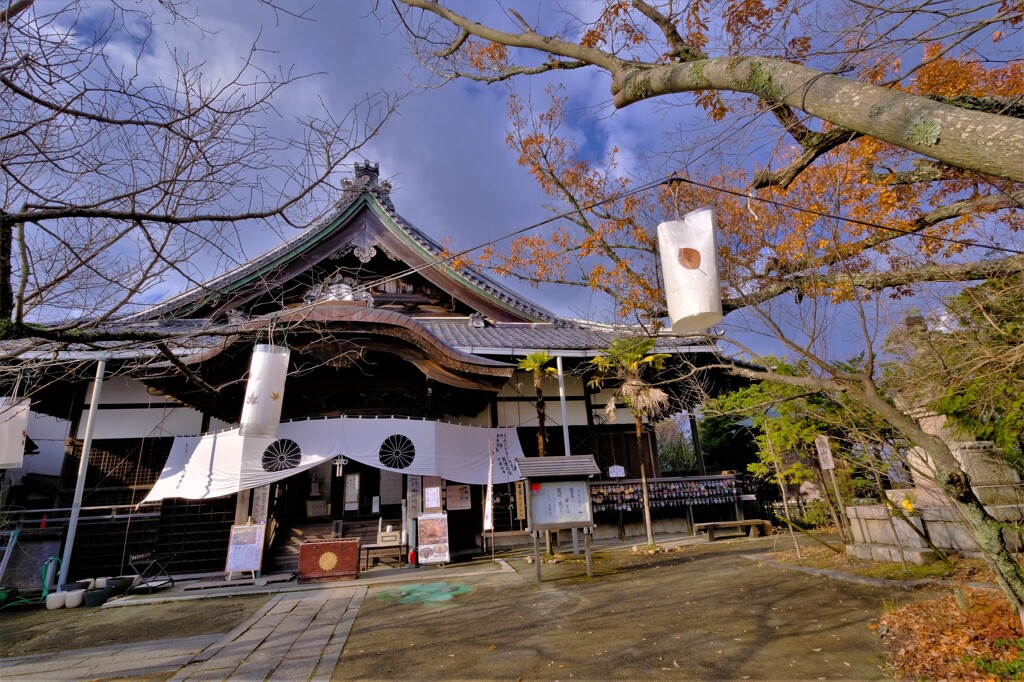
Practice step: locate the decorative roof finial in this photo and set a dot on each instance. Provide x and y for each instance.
(370, 171)
(365, 180)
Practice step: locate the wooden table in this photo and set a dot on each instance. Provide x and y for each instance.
(375, 551)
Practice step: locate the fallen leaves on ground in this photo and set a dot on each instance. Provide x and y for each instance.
(937, 639)
(959, 568)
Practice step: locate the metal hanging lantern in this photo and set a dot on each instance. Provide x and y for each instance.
(264, 393)
(13, 424)
(689, 260)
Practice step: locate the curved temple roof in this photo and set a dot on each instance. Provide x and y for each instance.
(365, 191)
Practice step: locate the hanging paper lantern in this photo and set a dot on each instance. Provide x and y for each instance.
(13, 424)
(264, 394)
(689, 259)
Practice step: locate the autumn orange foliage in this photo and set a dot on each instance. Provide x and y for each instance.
(937, 640)
(609, 243)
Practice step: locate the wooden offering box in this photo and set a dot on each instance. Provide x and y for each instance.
(322, 560)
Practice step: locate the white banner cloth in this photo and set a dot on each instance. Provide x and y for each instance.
(13, 424)
(222, 463)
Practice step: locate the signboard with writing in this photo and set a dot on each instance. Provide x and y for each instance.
(352, 492)
(415, 495)
(520, 500)
(824, 452)
(457, 497)
(245, 548)
(260, 503)
(432, 494)
(560, 504)
(433, 539)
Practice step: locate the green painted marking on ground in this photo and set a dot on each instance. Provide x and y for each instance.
(425, 593)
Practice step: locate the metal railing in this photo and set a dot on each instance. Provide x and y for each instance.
(58, 517)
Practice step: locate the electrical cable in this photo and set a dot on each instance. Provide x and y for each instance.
(670, 179)
(833, 216)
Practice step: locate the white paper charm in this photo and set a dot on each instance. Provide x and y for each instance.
(689, 260)
(264, 393)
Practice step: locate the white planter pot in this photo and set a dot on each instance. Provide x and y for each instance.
(55, 600)
(74, 598)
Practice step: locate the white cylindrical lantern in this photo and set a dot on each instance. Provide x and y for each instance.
(689, 260)
(13, 424)
(264, 394)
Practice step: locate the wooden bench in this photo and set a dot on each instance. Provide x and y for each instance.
(756, 527)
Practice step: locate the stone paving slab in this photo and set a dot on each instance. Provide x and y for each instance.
(284, 641)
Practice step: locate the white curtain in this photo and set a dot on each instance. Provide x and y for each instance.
(222, 463)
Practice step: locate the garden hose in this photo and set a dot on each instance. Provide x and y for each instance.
(42, 578)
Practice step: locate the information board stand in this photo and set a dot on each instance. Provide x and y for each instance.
(562, 502)
(245, 549)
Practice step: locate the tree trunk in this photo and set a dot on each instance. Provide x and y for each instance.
(542, 435)
(964, 138)
(956, 484)
(968, 139)
(643, 480)
(6, 272)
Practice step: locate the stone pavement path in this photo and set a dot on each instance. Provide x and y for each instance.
(266, 646)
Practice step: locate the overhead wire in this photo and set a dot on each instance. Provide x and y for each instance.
(671, 179)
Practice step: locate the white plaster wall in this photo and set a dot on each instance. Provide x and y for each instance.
(219, 425)
(127, 410)
(524, 413)
(49, 433)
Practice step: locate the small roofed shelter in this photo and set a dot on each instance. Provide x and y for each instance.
(378, 325)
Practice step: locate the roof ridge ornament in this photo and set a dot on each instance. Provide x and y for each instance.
(365, 180)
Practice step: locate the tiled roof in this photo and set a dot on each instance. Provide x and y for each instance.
(556, 467)
(219, 282)
(494, 288)
(365, 186)
(518, 339)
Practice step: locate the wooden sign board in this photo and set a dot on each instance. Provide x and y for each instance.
(351, 492)
(560, 504)
(520, 500)
(245, 548)
(414, 494)
(458, 497)
(824, 452)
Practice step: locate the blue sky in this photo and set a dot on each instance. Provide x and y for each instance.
(445, 151)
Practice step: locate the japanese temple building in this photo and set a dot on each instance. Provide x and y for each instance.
(377, 326)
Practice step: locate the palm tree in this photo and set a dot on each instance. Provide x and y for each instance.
(537, 364)
(626, 360)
